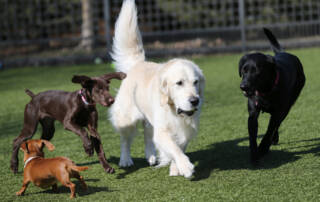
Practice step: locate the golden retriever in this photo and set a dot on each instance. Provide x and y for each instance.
(165, 97)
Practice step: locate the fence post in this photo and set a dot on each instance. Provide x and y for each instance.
(106, 12)
(242, 25)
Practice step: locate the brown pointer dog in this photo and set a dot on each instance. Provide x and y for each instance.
(75, 110)
(46, 172)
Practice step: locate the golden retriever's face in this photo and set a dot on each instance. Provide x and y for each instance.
(183, 84)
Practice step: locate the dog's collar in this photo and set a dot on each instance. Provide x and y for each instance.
(29, 159)
(81, 93)
(276, 81)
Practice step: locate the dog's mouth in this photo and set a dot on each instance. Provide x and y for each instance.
(188, 113)
(248, 93)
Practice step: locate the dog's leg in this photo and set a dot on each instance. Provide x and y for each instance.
(253, 130)
(275, 139)
(102, 158)
(266, 141)
(80, 178)
(55, 188)
(68, 125)
(96, 141)
(165, 143)
(150, 151)
(72, 189)
(274, 124)
(28, 130)
(63, 177)
(126, 137)
(23, 188)
(173, 169)
(47, 128)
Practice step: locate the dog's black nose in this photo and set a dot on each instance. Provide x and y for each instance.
(194, 101)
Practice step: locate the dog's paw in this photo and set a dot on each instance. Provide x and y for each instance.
(19, 193)
(109, 170)
(185, 167)
(152, 160)
(125, 162)
(263, 150)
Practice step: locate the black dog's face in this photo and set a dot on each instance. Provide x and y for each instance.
(257, 71)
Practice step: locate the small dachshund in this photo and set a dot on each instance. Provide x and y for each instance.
(46, 172)
(75, 110)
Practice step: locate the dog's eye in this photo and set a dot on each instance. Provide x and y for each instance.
(179, 83)
(195, 82)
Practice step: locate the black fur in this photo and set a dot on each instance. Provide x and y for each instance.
(272, 84)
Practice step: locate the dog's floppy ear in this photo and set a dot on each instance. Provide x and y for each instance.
(115, 75)
(46, 143)
(24, 147)
(270, 59)
(85, 81)
(164, 90)
(202, 85)
(241, 63)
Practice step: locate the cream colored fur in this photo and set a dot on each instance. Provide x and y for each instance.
(151, 93)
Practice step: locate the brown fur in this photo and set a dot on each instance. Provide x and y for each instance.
(69, 109)
(47, 172)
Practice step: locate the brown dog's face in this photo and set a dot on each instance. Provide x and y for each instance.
(35, 148)
(97, 88)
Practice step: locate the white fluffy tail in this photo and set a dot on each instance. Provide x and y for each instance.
(127, 47)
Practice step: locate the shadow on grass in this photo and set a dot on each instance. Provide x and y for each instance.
(79, 190)
(138, 164)
(228, 155)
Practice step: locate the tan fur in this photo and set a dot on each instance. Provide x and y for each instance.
(47, 172)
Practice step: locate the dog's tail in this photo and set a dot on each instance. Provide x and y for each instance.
(30, 93)
(79, 168)
(127, 47)
(274, 42)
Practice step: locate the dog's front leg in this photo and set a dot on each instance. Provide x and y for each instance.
(93, 125)
(68, 125)
(166, 144)
(272, 132)
(253, 129)
(23, 188)
(102, 158)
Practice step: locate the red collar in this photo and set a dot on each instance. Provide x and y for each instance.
(81, 93)
(276, 81)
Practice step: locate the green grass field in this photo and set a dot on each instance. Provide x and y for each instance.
(290, 172)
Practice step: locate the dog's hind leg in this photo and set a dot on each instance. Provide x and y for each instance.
(80, 178)
(64, 178)
(47, 128)
(29, 128)
(150, 151)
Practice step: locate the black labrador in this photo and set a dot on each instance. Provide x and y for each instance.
(272, 84)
